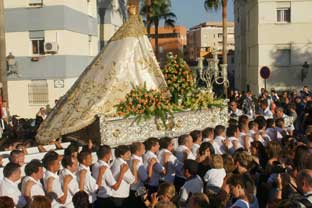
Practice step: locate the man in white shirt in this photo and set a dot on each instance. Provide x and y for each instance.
(18, 157)
(234, 109)
(208, 134)
(31, 185)
(102, 173)
(86, 182)
(70, 165)
(167, 158)
(120, 196)
(9, 185)
(193, 184)
(143, 174)
(265, 110)
(232, 132)
(197, 140)
(51, 181)
(183, 152)
(152, 147)
(288, 120)
(220, 143)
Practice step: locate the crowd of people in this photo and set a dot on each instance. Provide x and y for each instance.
(262, 158)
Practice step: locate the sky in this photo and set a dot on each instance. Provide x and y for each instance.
(192, 12)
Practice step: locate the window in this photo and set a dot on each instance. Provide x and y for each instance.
(37, 47)
(283, 57)
(283, 14)
(35, 3)
(38, 93)
(37, 42)
(220, 35)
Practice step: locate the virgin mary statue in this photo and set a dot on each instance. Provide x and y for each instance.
(127, 60)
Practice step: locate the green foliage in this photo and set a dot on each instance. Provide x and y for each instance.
(145, 104)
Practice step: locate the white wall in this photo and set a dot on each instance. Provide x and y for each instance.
(70, 43)
(79, 5)
(21, 105)
(264, 35)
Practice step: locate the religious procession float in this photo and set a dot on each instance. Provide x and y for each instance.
(123, 96)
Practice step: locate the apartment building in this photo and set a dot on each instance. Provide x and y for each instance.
(276, 34)
(206, 36)
(49, 43)
(170, 39)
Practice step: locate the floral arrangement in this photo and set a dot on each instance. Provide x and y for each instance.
(144, 104)
(178, 77)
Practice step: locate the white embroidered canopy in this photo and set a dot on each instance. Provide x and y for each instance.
(128, 59)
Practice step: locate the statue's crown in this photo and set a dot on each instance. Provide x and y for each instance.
(133, 7)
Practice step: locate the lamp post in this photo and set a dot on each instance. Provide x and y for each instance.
(304, 71)
(212, 74)
(11, 65)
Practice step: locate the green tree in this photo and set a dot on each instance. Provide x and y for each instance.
(215, 5)
(159, 10)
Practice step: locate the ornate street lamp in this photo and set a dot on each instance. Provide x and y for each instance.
(11, 63)
(212, 74)
(304, 71)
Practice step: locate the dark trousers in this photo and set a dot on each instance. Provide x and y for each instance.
(151, 190)
(135, 201)
(103, 202)
(178, 183)
(119, 202)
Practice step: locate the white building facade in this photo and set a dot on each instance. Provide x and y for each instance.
(276, 34)
(112, 14)
(53, 41)
(208, 35)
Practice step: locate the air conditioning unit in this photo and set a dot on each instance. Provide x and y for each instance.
(50, 47)
(35, 3)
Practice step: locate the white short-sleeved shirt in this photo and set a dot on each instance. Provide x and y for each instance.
(108, 180)
(232, 148)
(10, 189)
(90, 186)
(157, 168)
(171, 167)
(56, 186)
(36, 189)
(192, 186)
(179, 153)
(195, 148)
(214, 177)
(142, 173)
(73, 187)
(128, 179)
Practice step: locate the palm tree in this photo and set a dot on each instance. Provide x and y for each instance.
(214, 5)
(3, 71)
(158, 10)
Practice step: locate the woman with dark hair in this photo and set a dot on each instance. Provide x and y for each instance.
(6, 202)
(205, 153)
(258, 150)
(81, 200)
(40, 202)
